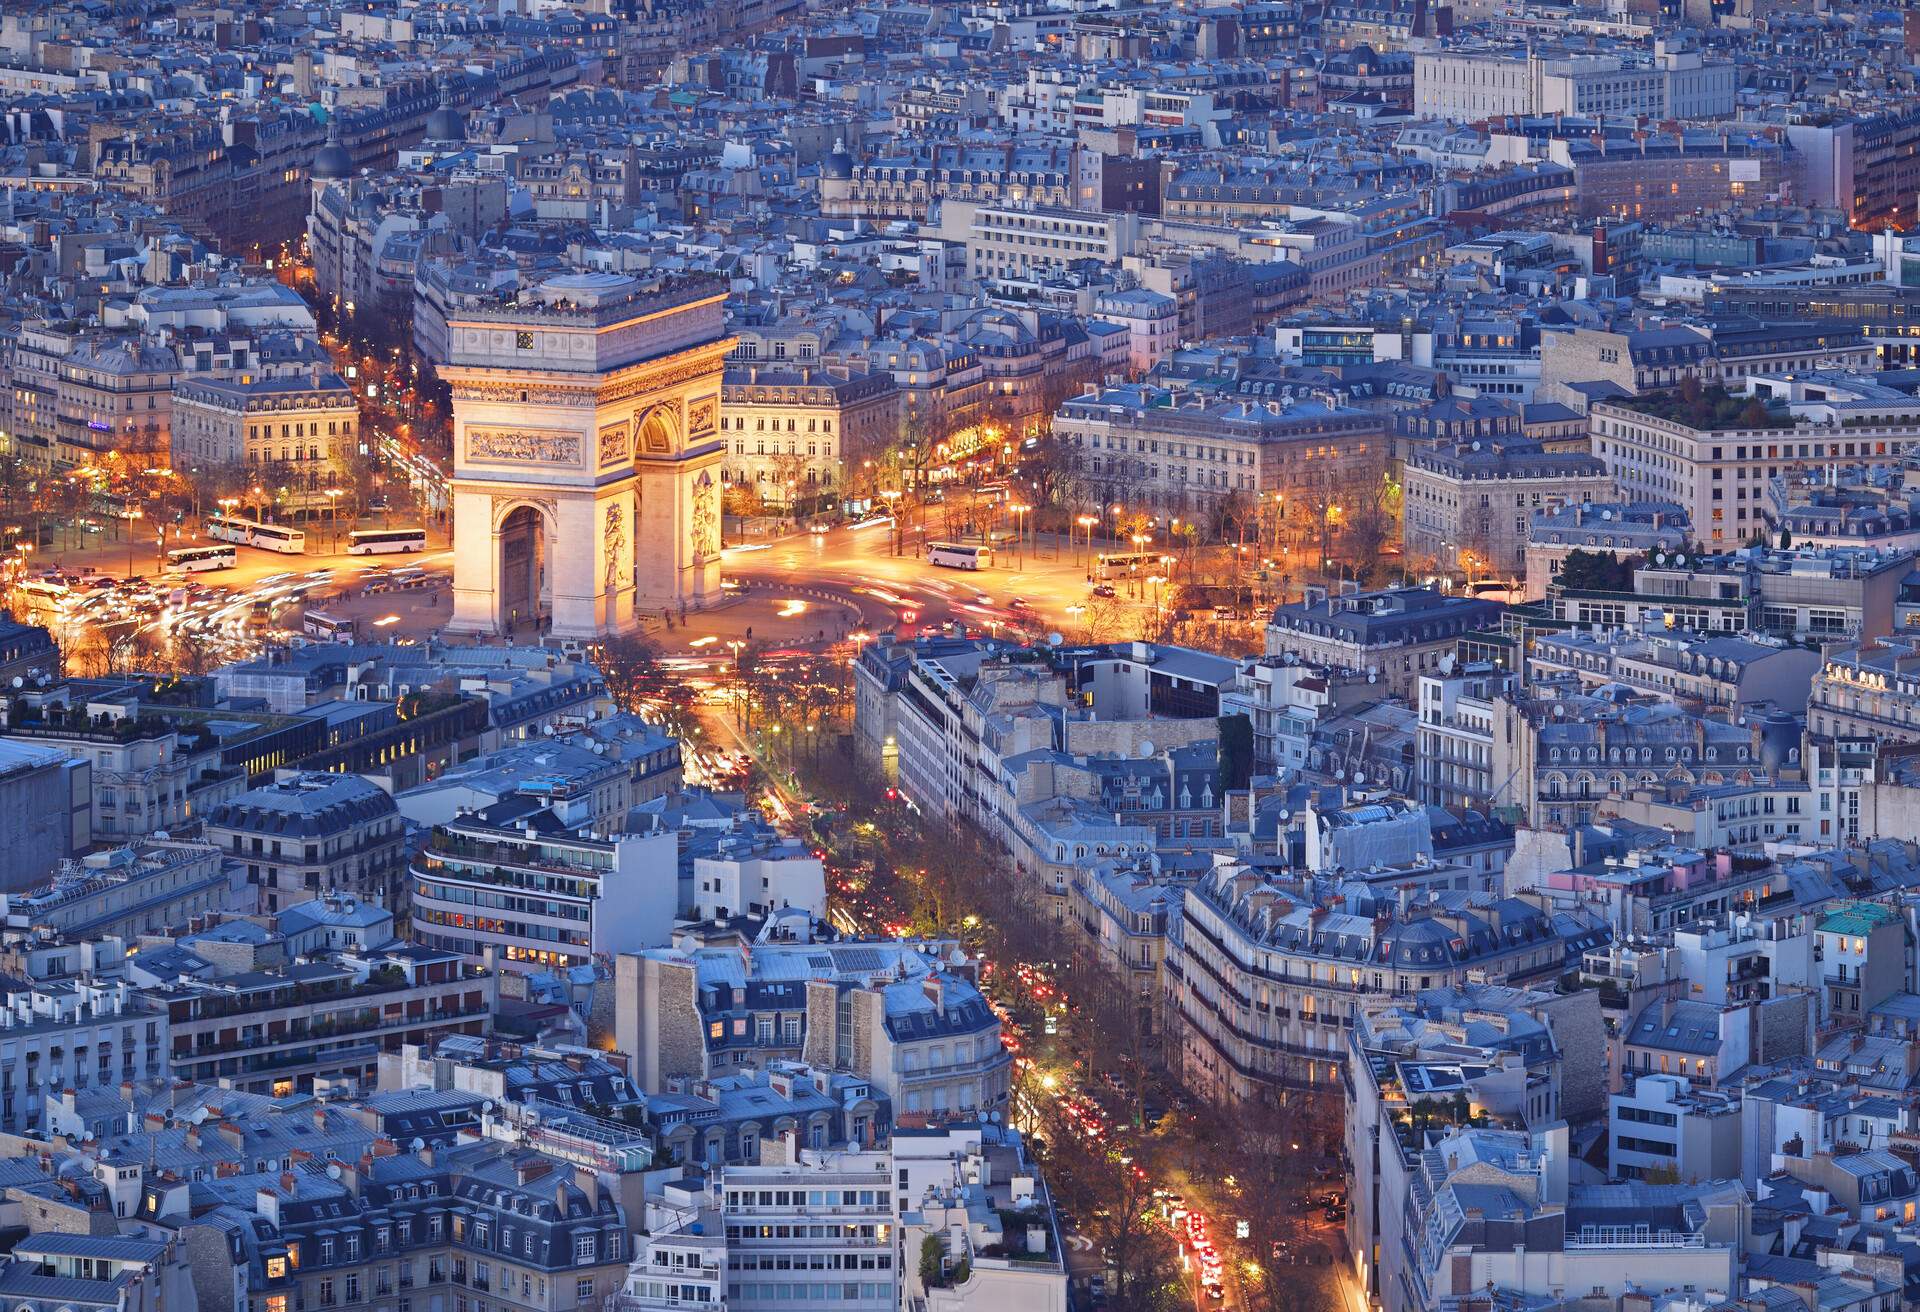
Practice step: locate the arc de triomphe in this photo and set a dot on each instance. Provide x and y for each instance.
(587, 452)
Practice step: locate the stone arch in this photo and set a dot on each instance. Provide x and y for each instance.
(657, 430)
(504, 506)
(525, 532)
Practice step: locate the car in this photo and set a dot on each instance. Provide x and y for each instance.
(1216, 1294)
(819, 526)
(1018, 603)
(1104, 590)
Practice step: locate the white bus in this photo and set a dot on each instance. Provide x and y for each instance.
(1504, 591)
(378, 541)
(252, 533)
(958, 555)
(1119, 565)
(43, 597)
(192, 560)
(319, 624)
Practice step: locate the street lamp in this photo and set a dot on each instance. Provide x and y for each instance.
(1019, 534)
(333, 515)
(133, 513)
(1086, 523)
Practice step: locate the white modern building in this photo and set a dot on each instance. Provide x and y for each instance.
(1661, 1126)
(753, 874)
(512, 881)
(1468, 85)
(811, 1228)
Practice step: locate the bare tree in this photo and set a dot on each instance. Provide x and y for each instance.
(85, 653)
(630, 665)
(193, 653)
(133, 649)
(1101, 620)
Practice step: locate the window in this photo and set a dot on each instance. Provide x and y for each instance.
(585, 1247)
(583, 1289)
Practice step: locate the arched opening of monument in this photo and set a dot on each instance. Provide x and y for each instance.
(526, 590)
(656, 438)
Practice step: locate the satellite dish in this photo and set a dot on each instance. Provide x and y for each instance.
(333, 1170)
(418, 1144)
(1476, 444)
(1372, 677)
(487, 1105)
(1145, 749)
(19, 682)
(1679, 557)
(1340, 775)
(1359, 776)
(547, 729)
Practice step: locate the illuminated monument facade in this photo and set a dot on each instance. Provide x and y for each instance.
(587, 453)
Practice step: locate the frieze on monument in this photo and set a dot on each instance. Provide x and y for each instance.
(614, 447)
(523, 445)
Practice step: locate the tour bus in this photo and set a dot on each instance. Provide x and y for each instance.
(192, 560)
(958, 555)
(252, 533)
(43, 597)
(379, 541)
(319, 624)
(1504, 591)
(1119, 565)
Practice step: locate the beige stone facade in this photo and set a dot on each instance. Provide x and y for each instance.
(587, 453)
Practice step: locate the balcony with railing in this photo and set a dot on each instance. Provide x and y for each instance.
(1590, 1237)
